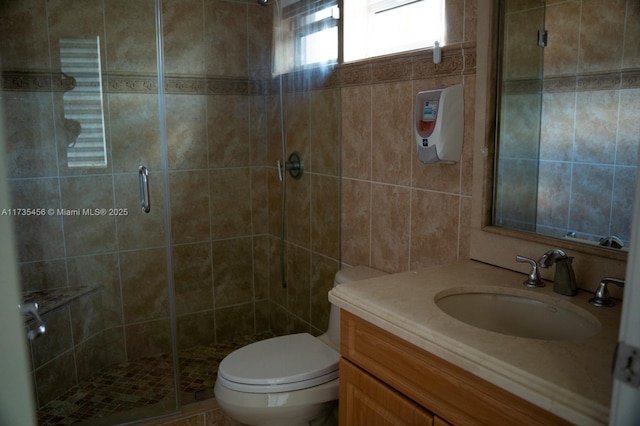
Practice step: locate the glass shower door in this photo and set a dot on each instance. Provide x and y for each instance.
(80, 90)
(520, 105)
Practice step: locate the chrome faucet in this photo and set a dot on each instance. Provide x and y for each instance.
(565, 280)
(601, 295)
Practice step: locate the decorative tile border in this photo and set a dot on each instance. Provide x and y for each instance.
(456, 60)
(36, 81)
(521, 86)
(313, 79)
(130, 84)
(626, 79)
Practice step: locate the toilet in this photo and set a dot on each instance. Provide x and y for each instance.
(286, 380)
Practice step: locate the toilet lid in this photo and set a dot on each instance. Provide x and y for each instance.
(296, 361)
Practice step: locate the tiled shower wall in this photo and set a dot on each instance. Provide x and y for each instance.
(399, 214)
(223, 134)
(590, 118)
(311, 104)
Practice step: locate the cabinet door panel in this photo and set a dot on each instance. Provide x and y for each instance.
(365, 401)
(446, 390)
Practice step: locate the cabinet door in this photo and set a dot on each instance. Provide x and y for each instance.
(366, 401)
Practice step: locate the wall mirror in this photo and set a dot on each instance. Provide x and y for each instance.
(568, 127)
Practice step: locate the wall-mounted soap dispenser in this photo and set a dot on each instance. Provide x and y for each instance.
(439, 124)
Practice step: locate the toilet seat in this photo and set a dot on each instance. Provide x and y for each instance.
(279, 364)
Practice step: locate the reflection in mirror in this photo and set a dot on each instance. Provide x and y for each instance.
(569, 118)
(83, 107)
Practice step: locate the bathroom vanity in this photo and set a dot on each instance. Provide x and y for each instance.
(405, 361)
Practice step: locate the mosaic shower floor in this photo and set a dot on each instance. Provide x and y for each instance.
(143, 382)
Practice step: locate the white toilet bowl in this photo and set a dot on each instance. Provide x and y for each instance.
(287, 380)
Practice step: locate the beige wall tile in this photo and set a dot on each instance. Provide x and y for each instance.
(298, 211)
(259, 131)
(600, 27)
(149, 338)
(22, 43)
(554, 194)
(557, 130)
(228, 131)
(561, 53)
(591, 197)
(523, 57)
(435, 219)
(356, 222)
(628, 127)
(325, 215)
(196, 329)
(88, 234)
(101, 271)
(145, 292)
(43, 275)
(390, 227)
(392, 140)
(596, 126)
(55, 376)
(232, 271)
(226, 38)
(29, 230)
(296, 123)
(135, 138)
(183, 36)
(69, 19)
(230, 210)
(189, 201)
(323, 272)
(261, 267)
(455, 13)
(234, 321)
(29, 125)
(192, 278)
(356, 132)
(260, 199)
(186, 126)
(298, 282)
(130, 35)
(631, 53)
(324, 132)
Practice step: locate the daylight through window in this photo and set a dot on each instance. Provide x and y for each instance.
(381, 27)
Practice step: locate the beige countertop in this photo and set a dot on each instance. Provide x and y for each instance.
(570, 378)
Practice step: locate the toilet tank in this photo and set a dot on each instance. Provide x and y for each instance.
(346, 275)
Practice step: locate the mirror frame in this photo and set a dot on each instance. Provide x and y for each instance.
(499, 246)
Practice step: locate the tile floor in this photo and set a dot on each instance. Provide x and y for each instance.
(140, 383)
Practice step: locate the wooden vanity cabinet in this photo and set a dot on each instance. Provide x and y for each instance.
(365, 400)
(385, 380)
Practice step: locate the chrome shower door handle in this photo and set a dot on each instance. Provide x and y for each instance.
(143, 175)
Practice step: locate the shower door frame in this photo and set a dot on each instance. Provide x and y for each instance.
(84, 236)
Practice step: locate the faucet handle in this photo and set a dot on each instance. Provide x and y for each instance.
(534, 276)
(601, 295)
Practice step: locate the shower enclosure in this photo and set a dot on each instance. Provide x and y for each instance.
(98, 93)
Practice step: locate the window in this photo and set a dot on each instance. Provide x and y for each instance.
(380, 27)
(305, 35)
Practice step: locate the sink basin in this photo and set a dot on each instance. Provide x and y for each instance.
(518, 313)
